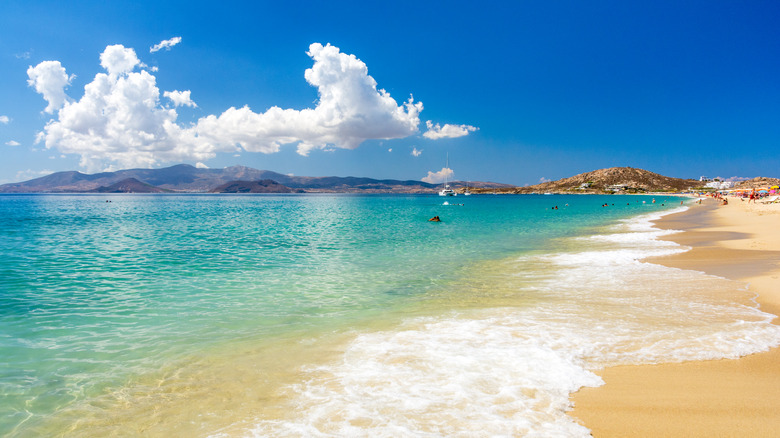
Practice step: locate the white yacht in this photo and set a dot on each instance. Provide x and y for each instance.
(447, 191)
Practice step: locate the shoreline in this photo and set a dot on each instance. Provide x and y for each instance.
(739, 397)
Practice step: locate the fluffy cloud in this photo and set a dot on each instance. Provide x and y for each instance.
(180, 98)
(4, 120)
(436, 131)
(350, 111)
(439, 177)
(165, 44)
(416, 152)
(12, 143)
(120, 120)
(49, 79)
(118, 59)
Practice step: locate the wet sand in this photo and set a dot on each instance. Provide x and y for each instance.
(723, 398)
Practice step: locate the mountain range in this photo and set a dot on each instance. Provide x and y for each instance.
(184, 178)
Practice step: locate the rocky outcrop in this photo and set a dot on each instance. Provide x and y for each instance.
(758, 183)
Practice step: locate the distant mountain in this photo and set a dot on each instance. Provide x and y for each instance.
(185, 178)
(129, 185)
(264, 186)
(179, 178)
(612, 180)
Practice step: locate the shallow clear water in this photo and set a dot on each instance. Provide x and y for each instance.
(332, 315)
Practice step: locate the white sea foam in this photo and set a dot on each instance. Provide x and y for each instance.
(509, 371)
(486, 375)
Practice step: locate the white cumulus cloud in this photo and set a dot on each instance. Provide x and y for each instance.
(120, 121)
(416, 152)
(180, 98)
(4, 120)
(165, 44)
(12, 143)
(439, 177)
(118, 59)
(50, 79)
(437, 131)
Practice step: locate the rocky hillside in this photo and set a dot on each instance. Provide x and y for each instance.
(758, 183)
(612, 180)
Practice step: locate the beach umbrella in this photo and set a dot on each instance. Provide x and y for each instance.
(763, 191)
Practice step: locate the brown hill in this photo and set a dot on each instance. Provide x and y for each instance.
(263, 186)
(758, 183)
(612, 180)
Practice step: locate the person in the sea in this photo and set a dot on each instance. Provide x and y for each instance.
(434, 219)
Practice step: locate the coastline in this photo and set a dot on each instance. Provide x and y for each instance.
(738, 397)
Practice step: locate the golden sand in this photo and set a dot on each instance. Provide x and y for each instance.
(723, 398)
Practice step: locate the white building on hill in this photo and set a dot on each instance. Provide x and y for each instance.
(719, 185)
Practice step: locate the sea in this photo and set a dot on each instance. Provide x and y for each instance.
(331, 315)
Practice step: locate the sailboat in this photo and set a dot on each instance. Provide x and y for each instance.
(447, 191)
(467, 192)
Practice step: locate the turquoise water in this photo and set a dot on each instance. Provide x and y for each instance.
(100, 299)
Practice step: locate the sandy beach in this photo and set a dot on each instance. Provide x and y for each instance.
(725, 398)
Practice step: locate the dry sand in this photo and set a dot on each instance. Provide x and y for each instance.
(723, 398)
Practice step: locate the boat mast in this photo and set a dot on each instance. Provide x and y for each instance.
(447, 172)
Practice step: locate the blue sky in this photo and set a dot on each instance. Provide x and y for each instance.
(514, 92)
